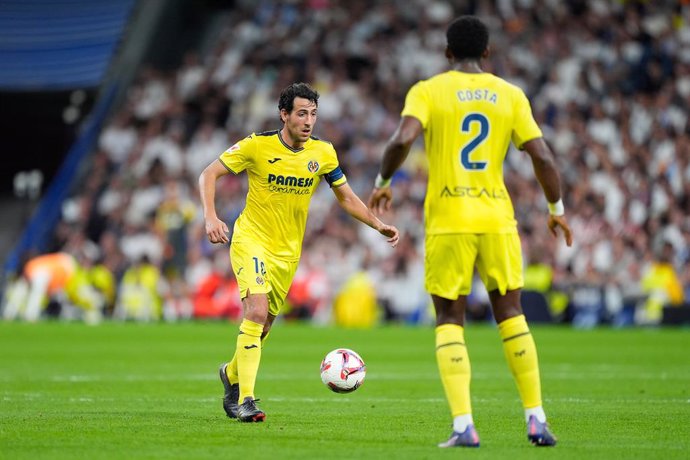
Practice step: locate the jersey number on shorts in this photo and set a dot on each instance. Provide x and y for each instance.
(474, 143)
(259, 265)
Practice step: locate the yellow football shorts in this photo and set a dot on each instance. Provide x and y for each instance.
(450, 261)
(257, 272)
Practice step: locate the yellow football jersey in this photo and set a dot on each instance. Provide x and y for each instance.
(282, 181)
(469, 121)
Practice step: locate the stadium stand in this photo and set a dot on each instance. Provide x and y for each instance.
(609, 83)
(56, 44)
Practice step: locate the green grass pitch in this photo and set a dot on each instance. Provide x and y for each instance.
(136, 391)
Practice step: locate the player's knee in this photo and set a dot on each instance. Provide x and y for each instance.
(256, 308)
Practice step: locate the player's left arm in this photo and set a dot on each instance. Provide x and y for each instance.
(547, 175)
(350, 202)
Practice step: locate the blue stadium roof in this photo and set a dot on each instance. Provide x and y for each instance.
(58, 44)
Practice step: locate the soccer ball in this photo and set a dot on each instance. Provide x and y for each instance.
(343, 370)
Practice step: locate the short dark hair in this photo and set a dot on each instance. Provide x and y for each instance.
(288, 95)
(467, 37)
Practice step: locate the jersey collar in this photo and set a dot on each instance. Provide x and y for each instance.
(292, 149)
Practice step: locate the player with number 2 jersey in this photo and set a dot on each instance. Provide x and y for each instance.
(469, 118)
(469, 121)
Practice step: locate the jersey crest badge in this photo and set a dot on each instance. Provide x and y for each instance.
(313, 166)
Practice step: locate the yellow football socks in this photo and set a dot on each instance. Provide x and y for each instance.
(248, 353)
(454, 367)
(231, 369)
(521, 354)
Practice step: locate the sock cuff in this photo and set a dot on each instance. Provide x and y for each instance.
(449, 334)
(251, 328)
(448, 327)
(516, 325)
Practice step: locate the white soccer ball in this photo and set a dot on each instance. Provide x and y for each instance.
(343, 370)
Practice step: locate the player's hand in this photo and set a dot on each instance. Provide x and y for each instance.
(556, 222)
(392, 234)
(381, 200)
(216, 230)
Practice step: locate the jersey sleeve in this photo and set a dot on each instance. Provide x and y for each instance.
(525, 128)
(417, 104)
(238, 157)
(334, 175)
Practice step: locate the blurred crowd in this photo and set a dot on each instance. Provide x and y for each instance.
(609, 84)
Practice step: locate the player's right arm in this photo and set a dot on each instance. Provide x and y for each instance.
(216, 230)
(394, 155)
(547, 175)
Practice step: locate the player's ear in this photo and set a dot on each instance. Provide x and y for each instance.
(283, 115)
(486, 52)
(449, 54)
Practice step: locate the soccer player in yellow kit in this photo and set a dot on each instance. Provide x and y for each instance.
(284, 168)
(469, 117)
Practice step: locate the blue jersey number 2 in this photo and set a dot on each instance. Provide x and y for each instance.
(474, 143)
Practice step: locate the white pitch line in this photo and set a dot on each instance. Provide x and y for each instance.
(16, 397)
(212, 376)
(576, 375)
